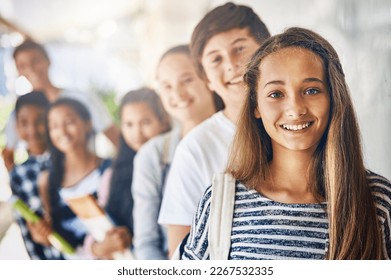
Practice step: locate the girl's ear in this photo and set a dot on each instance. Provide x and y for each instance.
(257, 114)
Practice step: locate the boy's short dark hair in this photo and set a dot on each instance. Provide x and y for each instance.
(30, 45)
(34, 98)
(221, 19)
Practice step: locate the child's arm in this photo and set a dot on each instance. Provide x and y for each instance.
(8, 157)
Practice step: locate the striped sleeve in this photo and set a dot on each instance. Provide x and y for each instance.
(196, 247)
(381, 191)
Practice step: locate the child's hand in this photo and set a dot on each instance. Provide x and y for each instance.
(40, 231)
(117, 239)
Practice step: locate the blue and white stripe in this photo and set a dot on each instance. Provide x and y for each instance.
(265, 229)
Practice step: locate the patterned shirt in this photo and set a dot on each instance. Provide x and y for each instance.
(265, 229)
(23, 180)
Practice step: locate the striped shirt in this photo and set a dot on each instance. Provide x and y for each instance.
(265, 229)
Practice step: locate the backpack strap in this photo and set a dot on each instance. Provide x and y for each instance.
(104, 165)
(221, 215)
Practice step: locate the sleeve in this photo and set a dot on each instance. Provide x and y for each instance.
(10, 132)
(16, 182)
(184, 187)
(147, 194)
(197, 246)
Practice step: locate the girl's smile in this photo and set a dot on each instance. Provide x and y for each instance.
(293, 99)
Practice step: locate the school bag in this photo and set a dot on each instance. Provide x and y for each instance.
(220, 218)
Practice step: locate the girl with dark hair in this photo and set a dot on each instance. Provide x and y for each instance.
(142, 117)
(302, 191)
(75, 170)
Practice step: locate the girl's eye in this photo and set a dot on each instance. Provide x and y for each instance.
(275, 94)
(216, 59)
(311, 91)
(187, 80)
(240, 49)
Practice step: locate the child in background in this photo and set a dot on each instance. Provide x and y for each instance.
(33, 62)
(142, 117)
(221, 45)
(189, 101)
(302, 190)
(30, 124)
(75, 170)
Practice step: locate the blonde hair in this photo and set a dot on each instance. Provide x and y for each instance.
(337, 172)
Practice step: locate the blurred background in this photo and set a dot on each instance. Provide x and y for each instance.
(112, 46)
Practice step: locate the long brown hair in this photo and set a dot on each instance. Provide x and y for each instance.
(336, 173)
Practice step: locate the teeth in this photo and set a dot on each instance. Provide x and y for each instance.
(296, 127)
(183, 104)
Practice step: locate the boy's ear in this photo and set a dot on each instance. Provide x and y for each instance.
(257, 114)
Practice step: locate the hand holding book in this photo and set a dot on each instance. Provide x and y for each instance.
(117, 239)
(112, 242)
(40, 228)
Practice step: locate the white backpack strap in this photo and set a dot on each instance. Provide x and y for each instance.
(221, 215)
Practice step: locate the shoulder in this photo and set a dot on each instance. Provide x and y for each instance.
(23, 168)
(216, 130)
(381, 191)
(379, 183)
(152, 149)
(85, 97)
(155, 143)
(72, 93)
(206, 128)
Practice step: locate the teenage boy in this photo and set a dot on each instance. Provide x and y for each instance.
(30, 124)
(222, 43)
(32, 61)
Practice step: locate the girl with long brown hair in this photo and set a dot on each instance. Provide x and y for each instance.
(302, 191)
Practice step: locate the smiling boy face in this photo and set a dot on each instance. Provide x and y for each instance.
(224, 60)
(30, 124)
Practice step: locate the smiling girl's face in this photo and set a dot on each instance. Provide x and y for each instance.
(184, 95)
(293, 100)
(67, 130)
(139, 124)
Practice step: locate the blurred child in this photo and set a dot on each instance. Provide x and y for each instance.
(189, 101)
(75, 170)
(142, 117)
(30, 124)
(32, 61)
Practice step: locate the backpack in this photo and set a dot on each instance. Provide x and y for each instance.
(220, 218)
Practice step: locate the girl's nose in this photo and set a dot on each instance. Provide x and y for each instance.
(296, 107)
